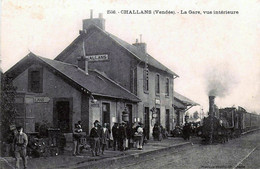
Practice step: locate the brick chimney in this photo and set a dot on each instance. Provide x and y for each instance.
(140, 45)
(100, 21)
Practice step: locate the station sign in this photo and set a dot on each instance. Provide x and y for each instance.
(94, 58)
(41, 99)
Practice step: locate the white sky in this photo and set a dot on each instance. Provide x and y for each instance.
(190, 45)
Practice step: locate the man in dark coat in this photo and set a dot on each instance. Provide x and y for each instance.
(186, 131)
(115, 135)
(156, 132)
(129, 135)
(95, 139)
(121, 136)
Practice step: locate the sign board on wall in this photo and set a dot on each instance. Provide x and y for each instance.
(95, 104)
(157, 101)
(30, 100)
(93, 58)
(41, 99)
(113, 119)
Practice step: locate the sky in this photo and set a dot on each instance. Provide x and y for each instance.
(212, 53)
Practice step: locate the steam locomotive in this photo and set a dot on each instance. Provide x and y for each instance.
(227, 123)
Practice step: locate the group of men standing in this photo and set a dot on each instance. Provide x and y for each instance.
(123, 136)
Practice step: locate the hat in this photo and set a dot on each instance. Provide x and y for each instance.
(96, 121)
(19, 127)
(140, 123)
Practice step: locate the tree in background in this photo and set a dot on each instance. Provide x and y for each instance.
(8, 111)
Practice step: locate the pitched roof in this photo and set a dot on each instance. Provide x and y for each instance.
(139, 54)
(184, 100)
(94, 82)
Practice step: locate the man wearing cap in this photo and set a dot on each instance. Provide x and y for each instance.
(20, 144)
(115, 135)
(95, 139)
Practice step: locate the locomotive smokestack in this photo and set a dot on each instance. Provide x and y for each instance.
(211, 105)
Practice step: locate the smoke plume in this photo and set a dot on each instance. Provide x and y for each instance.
(220, 81)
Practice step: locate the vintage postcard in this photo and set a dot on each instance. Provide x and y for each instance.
(130, 84)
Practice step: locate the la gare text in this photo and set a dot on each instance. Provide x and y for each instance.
(171, 12)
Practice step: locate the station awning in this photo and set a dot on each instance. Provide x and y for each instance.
(183, 103)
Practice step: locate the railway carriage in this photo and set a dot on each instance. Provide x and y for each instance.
(228, 122)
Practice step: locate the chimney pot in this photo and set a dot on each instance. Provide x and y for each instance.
(99, 22)
(141, 46)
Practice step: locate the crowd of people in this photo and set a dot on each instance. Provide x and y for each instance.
(122, 137)
(187, 130)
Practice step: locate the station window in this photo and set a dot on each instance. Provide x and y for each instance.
(157, 84)
(35, 80)
(167, 87)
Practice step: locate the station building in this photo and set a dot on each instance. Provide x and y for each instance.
(97, 77)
